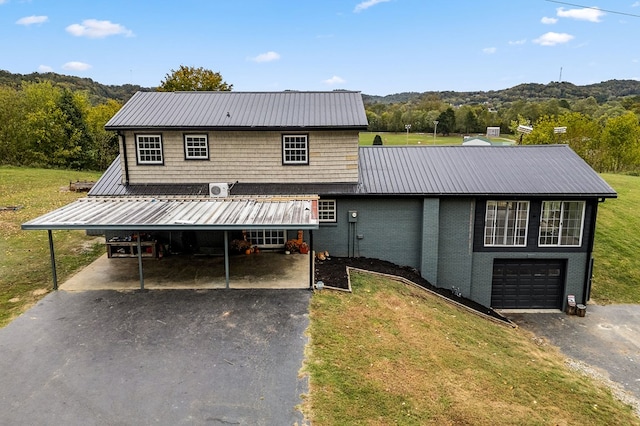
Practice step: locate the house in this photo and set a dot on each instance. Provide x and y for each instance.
(507, 226)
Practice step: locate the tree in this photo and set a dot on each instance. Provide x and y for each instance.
(193, 79)
(621, 141)
(105, 142)
(447, 121)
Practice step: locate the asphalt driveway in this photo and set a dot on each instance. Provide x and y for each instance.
(166, 357)
(607, 338)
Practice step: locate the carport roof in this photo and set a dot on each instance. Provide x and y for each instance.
(155, 214)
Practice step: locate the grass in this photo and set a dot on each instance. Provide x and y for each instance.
(617, 244)
(389, 138)
(25, 268)
(393, 354)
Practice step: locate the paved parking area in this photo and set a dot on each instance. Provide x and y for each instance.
(170, 357)
(607, 338)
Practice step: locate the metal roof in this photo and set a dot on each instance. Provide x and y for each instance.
(236, 110)
(542, 170)
(152, 214)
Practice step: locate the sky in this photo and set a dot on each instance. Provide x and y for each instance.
(378, 47)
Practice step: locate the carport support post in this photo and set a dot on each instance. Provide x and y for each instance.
(310, 259)
(226, 257)
(140, 262)
(53, 261)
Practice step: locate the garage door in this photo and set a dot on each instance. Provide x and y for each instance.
(527, 284)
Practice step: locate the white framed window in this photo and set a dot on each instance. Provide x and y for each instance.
(266, 238)
(149, 149)
(196, 147)
(327, 210)
(561, 223)
(506, 223)
(295, 149)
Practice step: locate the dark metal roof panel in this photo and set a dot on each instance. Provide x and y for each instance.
(337, 109)
(486, 170)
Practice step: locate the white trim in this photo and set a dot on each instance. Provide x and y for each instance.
(202, 138)
(149, 151)
(519, 231)
(327, 211)
(558, 231)
(300, 154)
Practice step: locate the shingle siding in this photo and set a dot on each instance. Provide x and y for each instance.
(249, 157)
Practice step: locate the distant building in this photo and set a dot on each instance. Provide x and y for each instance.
(493, 132)
(476, 141)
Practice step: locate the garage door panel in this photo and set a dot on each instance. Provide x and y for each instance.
(527, 283)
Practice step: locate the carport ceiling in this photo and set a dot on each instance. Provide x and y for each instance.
(156, 214)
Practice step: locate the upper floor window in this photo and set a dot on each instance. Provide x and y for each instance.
(196, 147)
(149, 149)
(506, 223)
(295, 149)
(561, 223)
(327, 210)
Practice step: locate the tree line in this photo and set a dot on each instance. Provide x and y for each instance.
(45, 125)
(51, 120)
(605, 134)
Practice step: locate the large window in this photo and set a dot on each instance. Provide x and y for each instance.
(149, 149)
(561, 223)
(506, 223)
(327, 210)
(196, 147)
(295, 149)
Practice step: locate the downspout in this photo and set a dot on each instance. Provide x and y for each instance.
(53, 260)
(124, 154)
(586, 292)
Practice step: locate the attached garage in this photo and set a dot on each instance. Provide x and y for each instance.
(528, 283)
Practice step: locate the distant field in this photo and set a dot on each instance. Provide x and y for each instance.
(388, 138)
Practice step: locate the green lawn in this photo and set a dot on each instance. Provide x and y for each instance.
(25, 269)
(617, 245)
(388, 138)
(393, 354)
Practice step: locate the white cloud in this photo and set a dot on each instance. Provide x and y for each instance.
(551, 39)
(636, 4)
(30, 20)
(334, 80)
(517, 42)
(45, 68)
(367, 4)
(489, 50)
(585, 14)
(266, 57)
(76, 66)
(549, 21)
(93, 28)
(4, 1)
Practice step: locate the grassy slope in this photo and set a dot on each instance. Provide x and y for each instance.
(617, 244)
(393, 354)
(25, 268)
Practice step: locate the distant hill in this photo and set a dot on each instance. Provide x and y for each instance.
(602, 92)
(98, 92)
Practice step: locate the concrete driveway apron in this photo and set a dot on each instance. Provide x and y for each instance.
(166, 357)
(607, 337)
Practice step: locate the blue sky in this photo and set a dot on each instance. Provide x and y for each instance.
(379, 47)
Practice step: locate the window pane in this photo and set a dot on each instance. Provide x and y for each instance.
(506, 223)
(327, 210)
(294, 149)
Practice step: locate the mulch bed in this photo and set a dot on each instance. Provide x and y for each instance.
(333, 272)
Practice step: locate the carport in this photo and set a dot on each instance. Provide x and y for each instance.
(154, 214)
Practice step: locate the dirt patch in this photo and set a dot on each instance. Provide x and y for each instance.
(39, 291)
(333, 272)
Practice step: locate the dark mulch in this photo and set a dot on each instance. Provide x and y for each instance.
(333, 272)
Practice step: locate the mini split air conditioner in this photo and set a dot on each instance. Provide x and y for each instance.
(218, 190)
